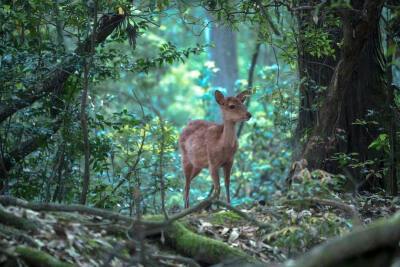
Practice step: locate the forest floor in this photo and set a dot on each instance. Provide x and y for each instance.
(57, 238)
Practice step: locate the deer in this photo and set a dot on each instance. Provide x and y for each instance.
(209, 145)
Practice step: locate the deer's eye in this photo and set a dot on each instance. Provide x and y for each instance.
(231, 106)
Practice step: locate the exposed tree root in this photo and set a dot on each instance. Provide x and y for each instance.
(10, 219)
(12, 201)
(19, 235)
(36, 257)
(376, 243)
(203, 249)
(188, 261)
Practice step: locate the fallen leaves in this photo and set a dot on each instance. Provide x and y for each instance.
(86, 240)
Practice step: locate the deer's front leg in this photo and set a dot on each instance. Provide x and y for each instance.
(227, 178)
(215, 176)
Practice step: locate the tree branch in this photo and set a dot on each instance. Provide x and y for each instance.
(26, 148)
(12, 201)
(107, 25)
(250, 81)
(267, 18)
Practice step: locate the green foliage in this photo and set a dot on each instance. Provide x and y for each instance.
(147, 80)
(317, 41)
(368, 168)
(381, 143)
(318, 183)
(301, 228)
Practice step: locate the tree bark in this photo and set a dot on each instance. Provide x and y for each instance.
(364, 100)
(87, 66)
(359, 24)
(375, 245)
(86, 147)
(314, 72)
(391, 179)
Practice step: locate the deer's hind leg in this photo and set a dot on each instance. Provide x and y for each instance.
(190, 172)
(187, 171)
(214, 171)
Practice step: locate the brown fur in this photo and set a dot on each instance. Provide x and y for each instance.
(213, 146)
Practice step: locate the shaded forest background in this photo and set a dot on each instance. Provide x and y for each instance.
(95, 93)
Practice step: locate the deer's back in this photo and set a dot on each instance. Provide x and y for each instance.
(193, 141)
(195, 132)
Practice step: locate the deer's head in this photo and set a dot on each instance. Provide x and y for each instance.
(232, 107)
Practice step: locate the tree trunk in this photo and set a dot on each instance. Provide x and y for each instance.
(86, 146)
(391, 178)
(314, 71)
(250, 81)
(364, 100)
(356, 86)
(373, 245)
(224, 55)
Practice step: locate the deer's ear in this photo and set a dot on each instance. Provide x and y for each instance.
(219, 97)
(243, 95)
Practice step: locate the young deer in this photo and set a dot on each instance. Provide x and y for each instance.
(213, 146)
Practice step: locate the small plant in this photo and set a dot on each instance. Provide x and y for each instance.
(317, 183)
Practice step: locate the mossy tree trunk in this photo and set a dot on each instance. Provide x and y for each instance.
(203, 249)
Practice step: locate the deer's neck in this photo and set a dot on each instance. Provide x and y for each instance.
(228, 134)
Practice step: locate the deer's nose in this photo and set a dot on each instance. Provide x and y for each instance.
(248, 115)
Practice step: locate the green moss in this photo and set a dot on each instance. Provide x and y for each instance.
(35, 257)
(65, 217)
(223, 217)
(92, 243)
(125, 252)
(204, 249)
(185, 222)
(117, 231)
(93, 248)
(16, 221)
